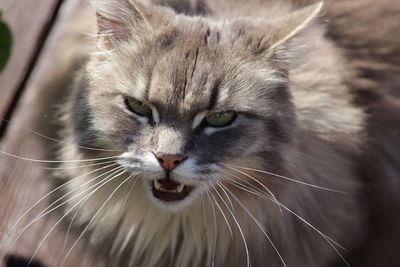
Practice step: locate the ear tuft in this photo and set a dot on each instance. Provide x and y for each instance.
(115, 20)
(301, 22)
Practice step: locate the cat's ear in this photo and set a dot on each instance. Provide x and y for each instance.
(292, 35)
(301, 23)
(117, 20)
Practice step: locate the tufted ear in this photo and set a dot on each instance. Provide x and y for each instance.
(299, 24)
(117, 20)
(286, 38)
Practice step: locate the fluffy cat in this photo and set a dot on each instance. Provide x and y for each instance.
(237, 133)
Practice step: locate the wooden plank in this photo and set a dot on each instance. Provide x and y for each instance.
(28, 20)
(24, 182)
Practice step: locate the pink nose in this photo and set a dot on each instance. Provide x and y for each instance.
(169, 162)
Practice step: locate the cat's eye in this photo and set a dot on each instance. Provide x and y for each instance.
(138, 107)
(220, 119)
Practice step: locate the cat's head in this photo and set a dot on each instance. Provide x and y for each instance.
(184, 98)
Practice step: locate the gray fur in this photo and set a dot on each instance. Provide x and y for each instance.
(294, 91)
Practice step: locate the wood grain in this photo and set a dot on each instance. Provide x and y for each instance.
(28, 20)
(23, 182)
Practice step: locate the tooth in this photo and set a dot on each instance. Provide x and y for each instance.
(179, 188)
(157, 185)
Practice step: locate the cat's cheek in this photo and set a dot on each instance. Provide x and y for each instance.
(191, 172)
(142, 163)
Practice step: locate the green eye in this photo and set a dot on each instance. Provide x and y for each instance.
(138, 107)
(221, 119)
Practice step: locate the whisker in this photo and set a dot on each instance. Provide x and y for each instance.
(329, 240)
(76, 212)
(215, 227)
(285, 178)
(55, 161)
(248, 185)
(255, 180)
(114, 246)
(60, 141)
(129, 192)
(227, 196)
(258, 223)
(55, 225)
(48, 194)
(240, 230)
(69, 229)
(44, 213)
(79, 166)
(95, 215)
(112, 171)
(208, 237)
(204, 213)
(223, 214)
(246, 188)
(127, 237)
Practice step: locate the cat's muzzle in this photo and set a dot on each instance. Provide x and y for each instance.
(169, 190)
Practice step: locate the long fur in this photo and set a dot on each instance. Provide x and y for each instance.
(341, 85)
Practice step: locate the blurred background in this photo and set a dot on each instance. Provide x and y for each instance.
(37, 26)
(27, 106)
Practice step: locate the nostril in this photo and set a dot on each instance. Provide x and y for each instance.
(169, 162)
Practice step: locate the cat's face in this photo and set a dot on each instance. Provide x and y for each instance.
(183, 101)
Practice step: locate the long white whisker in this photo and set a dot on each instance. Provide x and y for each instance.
(204, 213)
(256, 221)
(95, 215)
(285, 178)
(248, 185)
(246, 188)
(223, 214)
(255, 180)
(70, 227)
(41, 215)
(240, 230)
(55, 161)
(55, 225)
(129, 192)
(48, 194)
(229, 199)
(215, 227)
(329, 240)
(77, 210)
(78, 166)
(122, 247)
(59, 141)
(112, 171)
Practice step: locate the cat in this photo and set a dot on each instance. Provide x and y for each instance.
(237, 133)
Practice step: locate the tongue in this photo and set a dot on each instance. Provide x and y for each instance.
(168, 184)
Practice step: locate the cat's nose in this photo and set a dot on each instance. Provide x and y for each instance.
(169, 162)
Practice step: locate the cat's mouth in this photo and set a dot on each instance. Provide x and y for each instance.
(169, 190)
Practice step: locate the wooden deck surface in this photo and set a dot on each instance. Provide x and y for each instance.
(37, 26)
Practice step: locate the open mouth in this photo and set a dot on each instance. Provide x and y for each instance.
(168, 190)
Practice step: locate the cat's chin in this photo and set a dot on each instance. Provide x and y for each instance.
(171, 196)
